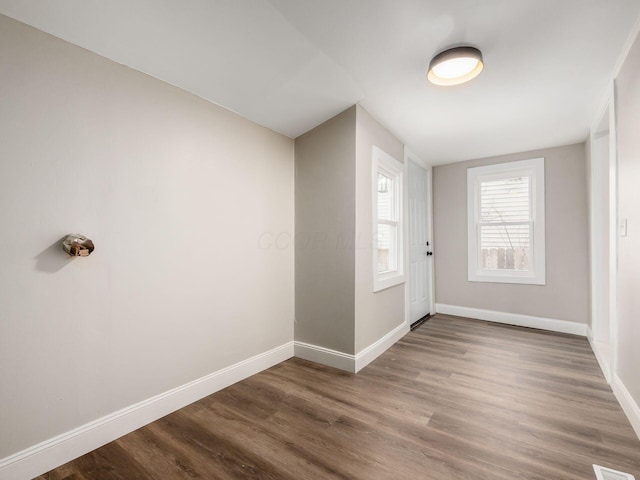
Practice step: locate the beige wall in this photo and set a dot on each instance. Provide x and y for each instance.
(176, 193)
(325, 225)
(628, 126)
(376, 314)
(565, 295)
(335, 304)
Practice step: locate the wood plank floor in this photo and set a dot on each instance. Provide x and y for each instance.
(455, 399)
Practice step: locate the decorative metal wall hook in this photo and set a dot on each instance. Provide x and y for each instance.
(77, 245)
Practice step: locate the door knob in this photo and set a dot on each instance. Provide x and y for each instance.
(429, 253)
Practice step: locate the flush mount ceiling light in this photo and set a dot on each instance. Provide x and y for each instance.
(455, 66)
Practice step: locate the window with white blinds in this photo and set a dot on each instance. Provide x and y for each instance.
(387, 221)
(506, 222)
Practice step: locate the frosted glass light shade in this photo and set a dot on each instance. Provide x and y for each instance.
(455, 66)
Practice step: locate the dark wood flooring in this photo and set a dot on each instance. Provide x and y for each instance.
(455, 399)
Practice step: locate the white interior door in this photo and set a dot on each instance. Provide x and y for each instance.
(420, 242)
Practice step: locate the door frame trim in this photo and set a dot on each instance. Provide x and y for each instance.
(410, 156)
(608, 108)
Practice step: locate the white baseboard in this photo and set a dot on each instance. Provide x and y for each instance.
(346, 361)
(56, 451)
(325, 356)
(628, 404)
(626, 401)
(602, 358)
(561, 326)
(373, 351)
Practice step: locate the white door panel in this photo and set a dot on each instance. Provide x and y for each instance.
(420, 246)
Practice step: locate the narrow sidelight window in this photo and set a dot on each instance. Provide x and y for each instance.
(387, 221)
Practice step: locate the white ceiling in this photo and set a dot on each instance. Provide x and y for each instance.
(291, 64)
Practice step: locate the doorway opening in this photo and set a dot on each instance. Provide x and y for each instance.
(603, 230)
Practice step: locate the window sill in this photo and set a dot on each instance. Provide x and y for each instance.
(524, 279)
(387, 281)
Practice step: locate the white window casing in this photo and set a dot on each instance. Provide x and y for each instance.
(506, 222)
(387, 221)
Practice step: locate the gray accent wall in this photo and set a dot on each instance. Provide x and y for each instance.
(182, 199)
(325, 224)
(566, 293)
(336, 307)
(628, 127)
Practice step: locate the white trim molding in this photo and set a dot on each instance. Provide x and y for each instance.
(533, 170)
(628, 404)
(384, 164)
(601, 357)
(408, 155)
(530, 321)
(373, 351)
(61, 449)
(346, 361)
(604, 346)
(325, 356)
(589, 334)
